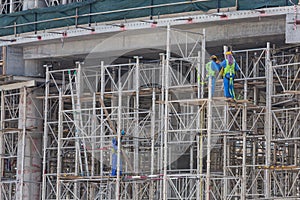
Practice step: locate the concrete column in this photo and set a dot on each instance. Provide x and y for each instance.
(29, 161)
(34, 68)
(3, 60)
(14, 61)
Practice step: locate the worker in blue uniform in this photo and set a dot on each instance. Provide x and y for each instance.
(114, 161)
(115, 158)
(212, 69)
(230, 67)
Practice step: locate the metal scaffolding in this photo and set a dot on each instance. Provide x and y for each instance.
(20, 153)
(179, 142)
(173, 139)
(154, 103)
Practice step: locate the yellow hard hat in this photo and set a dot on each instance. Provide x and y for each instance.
(228, 53)
(214, 57)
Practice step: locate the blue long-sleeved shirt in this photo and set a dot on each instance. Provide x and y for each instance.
(215, 66)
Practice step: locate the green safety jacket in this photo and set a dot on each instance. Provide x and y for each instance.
(229, 69)
(210, 72)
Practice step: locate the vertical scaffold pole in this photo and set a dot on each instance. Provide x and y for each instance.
(209, 131)
(78, 160)
(44, 184)
(92, 135)
(225, 161)
(166, 117)
(91, 194)
(203, 46)
(117, 193)
(268, 120)
(1, 137)
(11, 7)
(200, 137)
(162, 60)
(59, 146)
(79, 83)
(136, 114)
(152, 138)
(201, 95)
(225, 152)
(102, 134)
(24, 96)
(244, 128)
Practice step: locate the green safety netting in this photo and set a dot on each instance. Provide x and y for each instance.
(255, 4)
(64, 15)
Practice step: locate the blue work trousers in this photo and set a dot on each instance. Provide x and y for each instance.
(114, 165)
(213, 85)
(228, 87)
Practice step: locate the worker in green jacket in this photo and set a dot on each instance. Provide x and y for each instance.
(212, 69)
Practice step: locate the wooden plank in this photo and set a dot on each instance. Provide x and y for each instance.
(292, 92)
(19, 85)
(10, 130)
(281, 167)
(257, 83)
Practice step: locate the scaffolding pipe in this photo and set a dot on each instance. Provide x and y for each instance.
(244, 128)
(166, 114)
(102, 90)
(2, 126)
(244, 170)
(136, 132)
(268, 120)
(225, 160)
(225, 144)
(79, 82)
(45, 137)
(22, 171)
(209, 132)
(91, 194)
(203, 51)
(77, 143)
(11, 6)
(59, 146)
(161, 164)
(152, 140)
(118, 181)
(93, 131)
(201, 95)
(199, 127)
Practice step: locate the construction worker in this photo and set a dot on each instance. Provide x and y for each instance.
(115, 155)
(115, 158)
(230, 67)
(212, 69)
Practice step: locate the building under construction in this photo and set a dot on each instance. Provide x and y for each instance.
(88, 84)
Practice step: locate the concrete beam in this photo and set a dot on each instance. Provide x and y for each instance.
(228, 32)
(19, 85)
